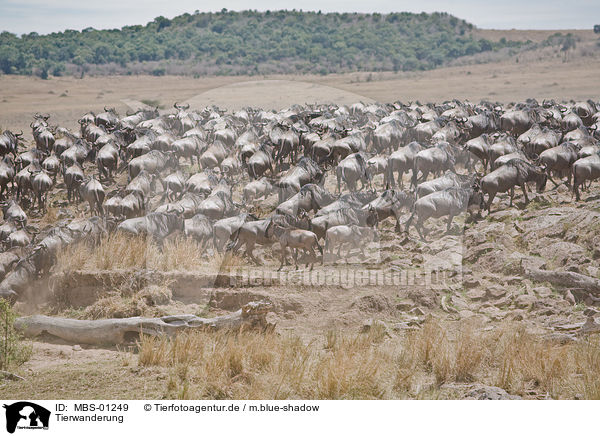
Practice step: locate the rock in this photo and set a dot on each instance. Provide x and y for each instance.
(562, 253)
(592, 271)
(366, 327)
(466, 314)
(502, 302)
(77, 348)
(542, 291)
(496, 292)
(372, 303)
(458, 302)
(404, 306)
(477, 294)
(474, 253)
(515, 280)
(525, 301)
(516, 315)
(484, 392)
(471, 283)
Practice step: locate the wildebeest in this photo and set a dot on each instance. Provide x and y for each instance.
(517, 121)
(9, 142)
(346, 216)
(584, 169)
(154, 162)
(389, 204)
(305, 171)
(41, 183)
(355, 200)
(107, 160)
(297, 239)
(188, 147)
(52, 166)
(353, 169)
(199, 228)
(18, 280)
(132, 205)
(73, 177)
(217, 205)
(214, 155)
(224, 228)
(388, 136)
(504, 145)
(402, 161)
(7, 260)
(93, 192)
(173, 184)
(310, 197)
(260, 161)
(349, 237)
(201, 183)
(12, 211)
(7, 174)
(156, 225)
(480, 148)
(252, 233)
(560, 159)
(189, 204)
(515, 172)
(432, 160)
(450, 202)
(256, 190)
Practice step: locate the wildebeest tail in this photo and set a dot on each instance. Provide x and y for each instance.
(98, 201)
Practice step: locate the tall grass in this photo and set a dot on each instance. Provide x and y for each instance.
(372, 365)
(118, 251)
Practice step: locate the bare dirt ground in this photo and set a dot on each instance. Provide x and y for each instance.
(496, 252)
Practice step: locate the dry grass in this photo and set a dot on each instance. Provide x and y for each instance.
(118, 252)
(424, 364)
(250, 365)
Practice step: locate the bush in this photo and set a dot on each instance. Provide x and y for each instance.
(13, 352)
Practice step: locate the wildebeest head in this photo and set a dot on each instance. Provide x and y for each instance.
(372, 219)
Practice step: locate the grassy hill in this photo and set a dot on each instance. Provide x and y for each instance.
(250, 42)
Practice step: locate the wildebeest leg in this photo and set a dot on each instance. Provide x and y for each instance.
(283, 259)
(421, 230)
(552, 180)
(512, 194)
(524, 188)
(407, 226)
(249, 249)
(311, 256)
(576, 190)
(489, 203)
(450, 218)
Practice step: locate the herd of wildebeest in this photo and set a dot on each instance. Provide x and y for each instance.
(186, 168)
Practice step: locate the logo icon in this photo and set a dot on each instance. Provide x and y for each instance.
(26, 415)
